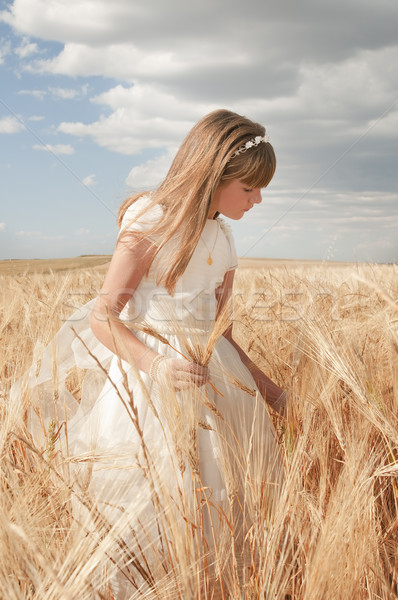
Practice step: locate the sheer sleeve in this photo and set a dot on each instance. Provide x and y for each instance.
(139, 218)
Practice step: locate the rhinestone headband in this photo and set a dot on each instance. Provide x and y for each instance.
(253, 142)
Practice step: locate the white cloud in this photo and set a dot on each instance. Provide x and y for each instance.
(142, 117)
(11, 125)
(2, 226)
(89, 180)
(100, 21)
(337, 101)
(386, 125)
(178, 75)
(55, 148)
(148, 175)
(36, 118)
(29, 234)
(64, 93)
(82, 232)
(128, 62)
(92, 19)
(369, 74)
(39, 94)
(26, 49)
(56, 92)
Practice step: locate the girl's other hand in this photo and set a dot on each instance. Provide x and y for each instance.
(178, 372)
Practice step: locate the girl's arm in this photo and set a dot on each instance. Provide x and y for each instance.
(128, 266)
(273, 394)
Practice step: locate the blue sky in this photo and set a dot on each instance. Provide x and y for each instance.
(96, 97)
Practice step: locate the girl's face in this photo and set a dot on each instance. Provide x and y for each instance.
(233, 199)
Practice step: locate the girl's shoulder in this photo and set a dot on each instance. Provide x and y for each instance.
(141, 215)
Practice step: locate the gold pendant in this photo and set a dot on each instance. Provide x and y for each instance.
(210, 260)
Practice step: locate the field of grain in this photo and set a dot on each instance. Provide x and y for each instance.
(326, 332)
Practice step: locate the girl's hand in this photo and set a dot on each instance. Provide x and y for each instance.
(275, 396)
(178, 372)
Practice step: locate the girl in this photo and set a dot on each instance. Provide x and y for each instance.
(179, 433)
(173, 270)
(220, 169)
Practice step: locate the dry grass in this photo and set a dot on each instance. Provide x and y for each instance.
(327, 333)
(54, 265)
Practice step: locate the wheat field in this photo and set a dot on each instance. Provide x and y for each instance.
(328, 334)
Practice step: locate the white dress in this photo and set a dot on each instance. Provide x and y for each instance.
(217, 439)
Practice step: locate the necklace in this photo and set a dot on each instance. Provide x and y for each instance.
(209, 259)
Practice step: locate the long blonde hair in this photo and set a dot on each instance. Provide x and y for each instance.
(203, 163)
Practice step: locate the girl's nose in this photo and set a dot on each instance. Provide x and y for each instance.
(256, 196)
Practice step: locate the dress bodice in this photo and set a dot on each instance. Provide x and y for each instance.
(193, 303)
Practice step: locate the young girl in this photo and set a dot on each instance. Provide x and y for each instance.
(173, 246)
(180, 414)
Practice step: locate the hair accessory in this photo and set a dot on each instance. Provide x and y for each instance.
(253, 142)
